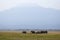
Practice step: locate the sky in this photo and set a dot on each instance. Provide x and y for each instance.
(43, 14)
(8, 4)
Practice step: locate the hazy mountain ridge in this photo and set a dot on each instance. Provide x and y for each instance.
(38, 16)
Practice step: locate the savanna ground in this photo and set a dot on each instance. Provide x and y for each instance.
(20, 36)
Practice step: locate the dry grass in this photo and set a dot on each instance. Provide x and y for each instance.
(20, 36)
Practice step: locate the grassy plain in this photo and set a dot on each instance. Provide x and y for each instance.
(20, 36)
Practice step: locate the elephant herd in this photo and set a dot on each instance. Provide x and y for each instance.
(36, 32)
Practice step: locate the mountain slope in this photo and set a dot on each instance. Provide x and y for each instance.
(36, 16)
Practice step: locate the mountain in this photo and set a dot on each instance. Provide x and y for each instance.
(30, 17)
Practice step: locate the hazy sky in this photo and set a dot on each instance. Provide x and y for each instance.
(7, 4)
(38, 13)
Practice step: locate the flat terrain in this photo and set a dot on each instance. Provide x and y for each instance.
(52, 35)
